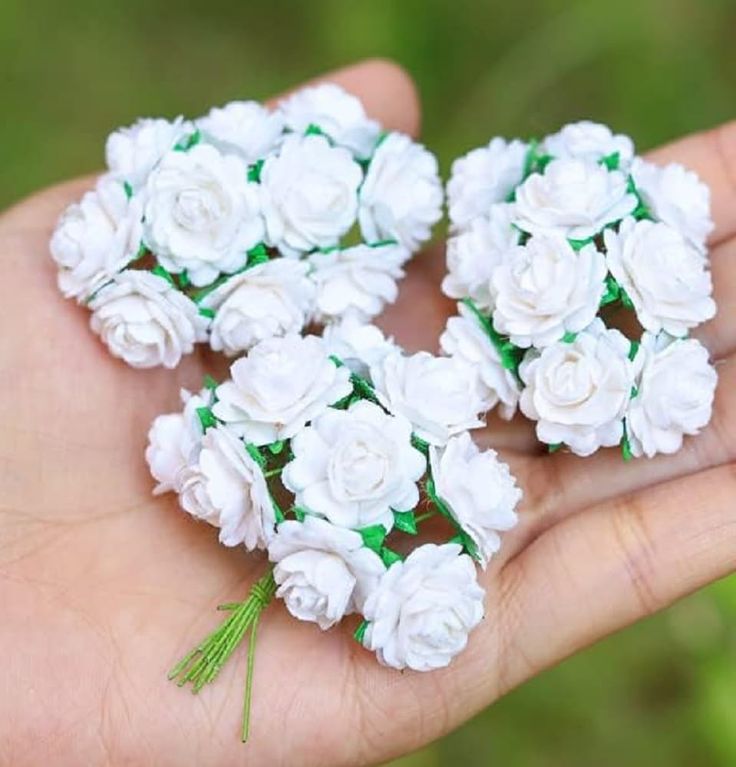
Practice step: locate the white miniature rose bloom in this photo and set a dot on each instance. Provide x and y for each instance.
(578, 392)
(441, 396)
(475, 251)
(358, 344)
(246, 128)
(145, 321)
(423, 609)
(274, 298)
(464, 339)
(323, 572)
(676, 196)
(225, 487)
(310, 194)
(202, 214)
(478, 489)
(133, 152)
(96, 238)
(586, 140)
(174, 440)
(355, 467)
(545, 289)
(336, 113)
(281, 385)
(573, 197)
(483, 177)
(674, 395)
(401, 197)
(666, 278)
(360, 280)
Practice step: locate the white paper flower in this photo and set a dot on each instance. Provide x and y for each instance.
(440, 396)
(133, 152)
(545, 289)
(478, 489)
(174, 441)
(578, 392)
(335, 112)
(666, 278)
(145, 321)
(202, 214)
(573, 197)
(475, 251)
(271, 299)
(358, 344)
(586, 140)
(401, 197)
(423, 609)
(360, 280)
(674, 394)
(676, 196)
(323, 572)
(246, 128)
(96, 238)
(281, 385)
(464, 339)
(310, 194)
(482, 177)
(226, 488)
(355, 466)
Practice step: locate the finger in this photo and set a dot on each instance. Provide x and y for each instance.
(386, 90)
(563, 484)
(712, 155)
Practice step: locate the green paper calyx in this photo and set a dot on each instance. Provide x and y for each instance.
(509, 354)
(554, 447)
(159, 271)
(390, 557)
(128, 189)
(206, 417)
(205, 311)
(208, 382)
(641, 212)
(314, 130)
(419, 444)
(257, 255)
(276, 447)
(254, 171)
(626, 445)
(406, 522)
(633, 349)
(255, 454)
(569, 337)
(611, 161)
(373, 537)
(300, 513)
(188, 142)
(360, 631)
(612, 292)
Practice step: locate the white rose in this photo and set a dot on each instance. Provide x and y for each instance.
(133, 152)
(355, 466)
(423, 609)
(545, 289)
(676, 196)
(310, 194)
(225, 487)
(574, 197)
(440, 396)
(464, 339)
(245, 128)
(145, 321)
(202, 214)
(666, 278)
(271, 299)
(323, 572)
(281, 385)
(334, 111)
(483, 177)
(578, 392)
(174, 441)
(357, 344)
(401, 197)
(586, 140)
(478, 489)
(674, 394)
(360, 280)
(96, 238)
(475, 251)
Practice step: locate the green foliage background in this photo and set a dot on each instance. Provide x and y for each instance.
(662, 693)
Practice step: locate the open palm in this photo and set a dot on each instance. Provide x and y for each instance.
(102, 586)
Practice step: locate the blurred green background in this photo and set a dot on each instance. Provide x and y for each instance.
(661, 693)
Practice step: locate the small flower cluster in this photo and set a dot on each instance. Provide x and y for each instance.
(332, 464)
(553, 244)
(245, 224)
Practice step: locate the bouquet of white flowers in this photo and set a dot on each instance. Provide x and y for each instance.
(245, 224)
(334, 466)
(553, 244)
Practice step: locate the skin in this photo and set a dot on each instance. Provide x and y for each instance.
(103, 587)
